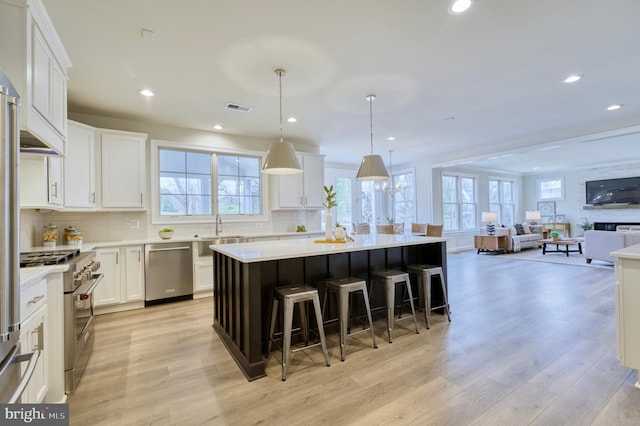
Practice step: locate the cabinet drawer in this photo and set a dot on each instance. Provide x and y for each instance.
(32, 297)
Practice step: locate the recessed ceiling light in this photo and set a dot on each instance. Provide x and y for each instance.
(460, 6)
(147, 92)
(292, 119)
(546, 148)
(391, 138)
(614, 107)
(573, 78)
(218, 127)
(535, 168)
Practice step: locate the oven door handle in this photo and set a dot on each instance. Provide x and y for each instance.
(32, 357)
(95, 280)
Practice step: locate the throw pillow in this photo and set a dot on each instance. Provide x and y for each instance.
(527, 228)
(519, 229)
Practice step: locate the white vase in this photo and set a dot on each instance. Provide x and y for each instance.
(327, 226)
(340, 233)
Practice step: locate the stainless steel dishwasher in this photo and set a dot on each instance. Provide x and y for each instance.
(168, 272)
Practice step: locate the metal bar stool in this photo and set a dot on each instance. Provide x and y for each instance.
(424, 273)
(291, 295)
(390, 278)
(344, 287)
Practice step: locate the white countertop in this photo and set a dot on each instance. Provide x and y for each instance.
(35, 273)
(285, 249)
(186, 238)
(631, 252)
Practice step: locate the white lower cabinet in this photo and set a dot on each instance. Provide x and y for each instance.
(202, 273)
(123, 285)
(33, 310)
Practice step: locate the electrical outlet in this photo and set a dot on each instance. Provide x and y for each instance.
(134, 224)
(259, 224)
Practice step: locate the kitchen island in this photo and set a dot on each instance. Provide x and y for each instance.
(246, 274)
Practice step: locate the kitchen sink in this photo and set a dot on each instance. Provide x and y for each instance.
(205, 242)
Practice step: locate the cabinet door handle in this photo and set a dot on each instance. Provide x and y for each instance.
(93, 197)
(36, 299)
(141, 198)
(117, 258)
(55, 187)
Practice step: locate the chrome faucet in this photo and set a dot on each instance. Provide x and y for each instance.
(218, 224)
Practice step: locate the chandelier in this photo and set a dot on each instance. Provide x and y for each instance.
(389, 187)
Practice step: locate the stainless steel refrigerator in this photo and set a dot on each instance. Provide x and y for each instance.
(12, 379)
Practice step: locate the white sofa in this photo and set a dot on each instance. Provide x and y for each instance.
(598, 244)
(533, 233)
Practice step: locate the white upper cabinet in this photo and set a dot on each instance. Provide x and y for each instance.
(79, 167)
(36, 62)
(301, 191)
(41, 181)
(123, 172)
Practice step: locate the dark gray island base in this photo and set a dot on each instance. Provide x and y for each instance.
(245, 276)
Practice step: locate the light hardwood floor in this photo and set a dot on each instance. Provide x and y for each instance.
(529, 343)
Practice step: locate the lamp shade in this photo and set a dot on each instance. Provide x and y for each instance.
(281, 160)
(532, 215)
(372, 168)
(489, 216)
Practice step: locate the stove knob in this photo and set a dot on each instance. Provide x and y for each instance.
(95, 265)
(77, 281)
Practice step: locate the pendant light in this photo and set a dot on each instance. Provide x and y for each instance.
(372, 166)
(281, 158)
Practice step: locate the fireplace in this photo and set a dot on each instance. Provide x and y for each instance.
(610, 226)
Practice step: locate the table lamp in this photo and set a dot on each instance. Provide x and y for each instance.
(532, 216)
(488, 218)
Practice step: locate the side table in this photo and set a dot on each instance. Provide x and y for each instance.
(493, 243)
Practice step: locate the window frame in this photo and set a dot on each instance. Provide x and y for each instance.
(411, 217)
(502, 205)
(539, 182)
(459, 203)
(158, 219)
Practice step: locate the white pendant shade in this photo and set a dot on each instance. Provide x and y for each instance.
(372, 168)
(281, 160)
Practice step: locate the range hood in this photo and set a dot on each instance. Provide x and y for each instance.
(32, 145)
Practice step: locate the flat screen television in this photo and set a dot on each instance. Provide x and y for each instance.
(613, 191)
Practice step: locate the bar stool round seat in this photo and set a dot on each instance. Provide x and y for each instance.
(289, 296)
(424, 273)
(344, 287)
(391, 277)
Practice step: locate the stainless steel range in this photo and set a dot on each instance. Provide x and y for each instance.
(79, 283)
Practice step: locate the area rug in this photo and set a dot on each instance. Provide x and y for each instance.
(577, 259)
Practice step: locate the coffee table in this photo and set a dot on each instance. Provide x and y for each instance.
(566, 242)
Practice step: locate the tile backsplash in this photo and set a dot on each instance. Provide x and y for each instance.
(122, 226)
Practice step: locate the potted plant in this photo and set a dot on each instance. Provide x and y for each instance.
(586, 225)
(555, 235)
(329, 202)
(165, 233)
(340, 232)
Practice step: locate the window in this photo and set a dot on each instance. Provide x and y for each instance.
(185, 183)
(403, 201)
(378, 207)
(193, 185)
(343, 198)
(368, 205)
(501, 198)
(458, 203)
(550, 189)
(238, 185)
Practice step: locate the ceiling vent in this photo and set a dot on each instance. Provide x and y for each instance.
(236, 107)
